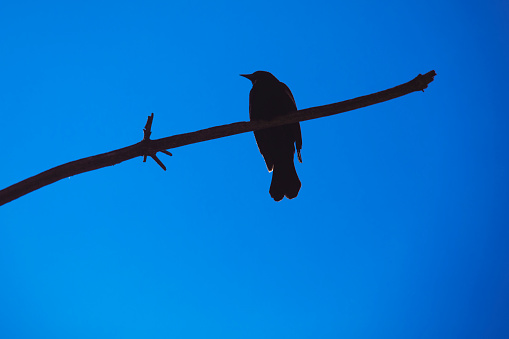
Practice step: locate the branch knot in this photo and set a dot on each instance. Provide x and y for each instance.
(149, 151)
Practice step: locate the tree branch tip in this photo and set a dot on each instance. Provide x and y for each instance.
(147, 131)
(159, 162)
(423, 80)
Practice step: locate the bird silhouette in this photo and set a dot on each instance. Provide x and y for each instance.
(269, 98)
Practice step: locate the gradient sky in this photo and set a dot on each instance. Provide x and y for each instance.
(400, 229)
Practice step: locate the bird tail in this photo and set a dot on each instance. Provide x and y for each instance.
(285, 181)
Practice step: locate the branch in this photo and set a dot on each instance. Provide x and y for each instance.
(146, 136)
(148, 147)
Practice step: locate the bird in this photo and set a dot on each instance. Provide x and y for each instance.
(269, 98)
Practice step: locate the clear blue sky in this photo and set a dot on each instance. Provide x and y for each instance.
(400, 229)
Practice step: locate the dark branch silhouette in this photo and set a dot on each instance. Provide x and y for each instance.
(148, 147)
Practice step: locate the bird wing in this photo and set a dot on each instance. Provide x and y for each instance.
(289, 93)
(295, 127)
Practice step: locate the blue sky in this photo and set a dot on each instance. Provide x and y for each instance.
(400, 229)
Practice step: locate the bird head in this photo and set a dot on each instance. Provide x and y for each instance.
(259, 75)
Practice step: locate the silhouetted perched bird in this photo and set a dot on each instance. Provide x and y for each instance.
(270, 98)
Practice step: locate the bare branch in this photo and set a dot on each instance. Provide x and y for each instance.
(148, 147)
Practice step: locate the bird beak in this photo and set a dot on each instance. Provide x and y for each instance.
(248, 76)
